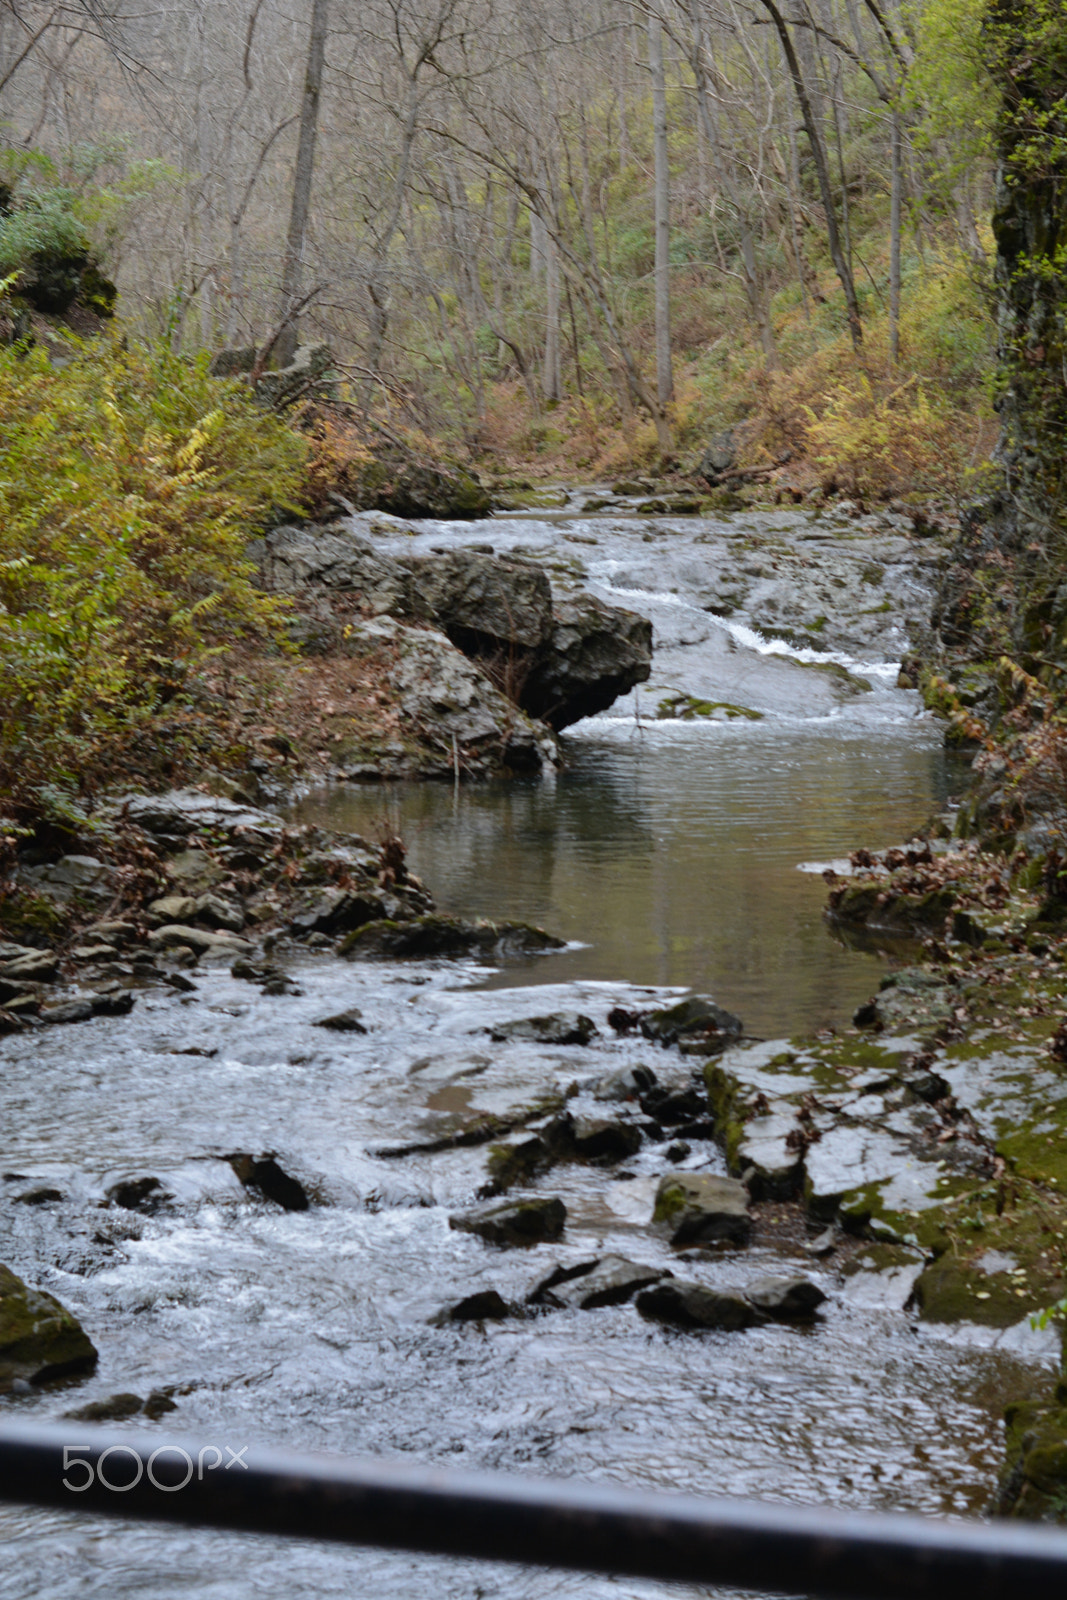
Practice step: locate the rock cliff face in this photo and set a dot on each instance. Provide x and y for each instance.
(504, 649)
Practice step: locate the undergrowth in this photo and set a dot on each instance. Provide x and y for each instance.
(130, 482)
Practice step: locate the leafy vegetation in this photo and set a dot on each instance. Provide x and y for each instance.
(130, 482)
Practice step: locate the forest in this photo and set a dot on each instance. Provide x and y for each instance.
(581, 237)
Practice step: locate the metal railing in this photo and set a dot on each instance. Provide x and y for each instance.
(532, 1521)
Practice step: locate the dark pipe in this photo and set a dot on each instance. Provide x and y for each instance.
(534, 1521)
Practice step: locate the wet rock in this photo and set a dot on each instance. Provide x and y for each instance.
(594, 654)
(699, 1024)
(679, 1151)
(608, 1282)
(68, 1011)
(769, 1151)
(15, 952)
(447, 937)
(513, 1161)
(265, 1175)
(343, 1021)
(540, 1294)
(788, 1299)
(39, 1338)
(877, 906)
(700, 1208)
(118, 1003)
(595, 1139)
(692, 1305)
(199, 940)
(671, 1106)
(484, 1306)
(515, 1223)
(628, 1084)
(158, 1404)
(10, 1023)
(138, 1194)
(116, 1408)
(40, 1195)
(562, 1027)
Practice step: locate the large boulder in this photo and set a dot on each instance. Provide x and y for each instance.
(39, 1338)
(594, 654)
(557, 657)
(485, 604)
(337, 557)
(439, 689)
(448, 707)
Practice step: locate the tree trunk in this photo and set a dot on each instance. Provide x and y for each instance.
(551, 377)
(292, 267)
(664, 374)
(894, 237)
(818, 152)
(1030, 225)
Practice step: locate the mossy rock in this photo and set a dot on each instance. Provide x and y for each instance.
(39, 1338)
(688, 708)
(1033, 1484)
(877, 905)
(845, 683)
(951, 1291)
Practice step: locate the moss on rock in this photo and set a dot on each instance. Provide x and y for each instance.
(39, 1338)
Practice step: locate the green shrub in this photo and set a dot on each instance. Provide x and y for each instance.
(129, 483)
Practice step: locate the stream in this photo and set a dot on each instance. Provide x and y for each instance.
(666, 852)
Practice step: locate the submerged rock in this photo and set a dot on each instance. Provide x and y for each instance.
(448, 937)
(486, 1305)
(343, 1021)
(515, 1223)
(39, 1338)
(138, 1194)
(701, 1209)
(607, 1282)
(692, 1305)
(562, 1027)
(264, 1174)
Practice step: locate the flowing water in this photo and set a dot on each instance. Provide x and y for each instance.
(667, 853)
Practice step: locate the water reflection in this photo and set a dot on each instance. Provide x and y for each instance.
(673, 859)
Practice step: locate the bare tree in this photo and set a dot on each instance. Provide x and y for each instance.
(285, 345)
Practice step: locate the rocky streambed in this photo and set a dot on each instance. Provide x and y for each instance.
(307, 1159)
